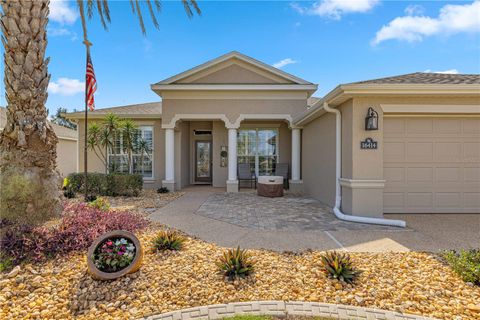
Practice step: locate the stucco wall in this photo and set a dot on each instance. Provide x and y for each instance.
(66, 156)
(318, 159)
(96, 165)
(232, 108)
(219, 139)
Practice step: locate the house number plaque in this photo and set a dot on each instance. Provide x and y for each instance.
(368, 143)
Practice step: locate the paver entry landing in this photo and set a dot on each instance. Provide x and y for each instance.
(294, 213)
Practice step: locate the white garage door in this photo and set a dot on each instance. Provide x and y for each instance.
(432, 165)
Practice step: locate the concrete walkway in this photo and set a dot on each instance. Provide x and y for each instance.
(424, 232)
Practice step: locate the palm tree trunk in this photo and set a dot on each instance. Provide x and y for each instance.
(28, 142)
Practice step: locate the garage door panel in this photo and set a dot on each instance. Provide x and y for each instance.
(432, 165)
(448, 126)
(471, 151)
(419, 126)
(419, 151)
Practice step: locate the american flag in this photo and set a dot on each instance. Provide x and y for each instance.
(91, 84)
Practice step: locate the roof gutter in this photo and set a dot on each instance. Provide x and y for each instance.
(338, 189)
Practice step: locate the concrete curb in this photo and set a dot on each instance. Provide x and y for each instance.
(282, 309)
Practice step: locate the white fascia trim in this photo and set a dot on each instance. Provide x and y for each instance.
(121, 115)
(230, 55)
(362, 184)
(271, 116)
(428, 108)
(194, 116)
(232, 87)
(67, 138)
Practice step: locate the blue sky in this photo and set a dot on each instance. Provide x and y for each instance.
(326, 42)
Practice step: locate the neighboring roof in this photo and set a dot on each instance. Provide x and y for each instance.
(141, 110)
(61, 131)
(231, 55)
(426, 78)
(312, 100)
(418, 83)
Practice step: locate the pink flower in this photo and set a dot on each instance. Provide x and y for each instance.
(120, 253)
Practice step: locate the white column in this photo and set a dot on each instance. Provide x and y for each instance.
(296, 141)
(232, 155)
(169, 155)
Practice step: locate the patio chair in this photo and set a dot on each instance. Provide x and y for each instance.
(281, 169)
(245, 174)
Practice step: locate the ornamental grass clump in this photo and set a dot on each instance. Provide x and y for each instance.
(339, 266)
(236, 263)
(466, 263)
(113, 255)
(168, 240)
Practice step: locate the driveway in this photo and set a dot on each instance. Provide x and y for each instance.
(297, 223)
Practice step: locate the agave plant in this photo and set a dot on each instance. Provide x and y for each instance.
(236, 263)
(339, 266)
(168, 240)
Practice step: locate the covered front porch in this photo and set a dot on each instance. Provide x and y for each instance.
(206, 150)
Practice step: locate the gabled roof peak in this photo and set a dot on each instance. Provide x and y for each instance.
(233, 55)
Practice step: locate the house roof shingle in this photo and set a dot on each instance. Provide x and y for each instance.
(425, 78)
(60, 131)
(141, 109)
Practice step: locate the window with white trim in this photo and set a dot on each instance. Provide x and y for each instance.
(142, 154)
(259, 148)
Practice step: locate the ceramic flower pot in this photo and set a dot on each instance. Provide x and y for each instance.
(134, 265)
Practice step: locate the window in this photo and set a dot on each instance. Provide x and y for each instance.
(142, 154)
(259, 148)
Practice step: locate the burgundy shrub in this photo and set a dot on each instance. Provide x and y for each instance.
(79, 226)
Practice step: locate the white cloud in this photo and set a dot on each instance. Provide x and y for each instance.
(66, 86)
(451, 19)
(61, 32)
(335, 9)
(451, 71)
(61, 12)
(284, 62)
(414, 9)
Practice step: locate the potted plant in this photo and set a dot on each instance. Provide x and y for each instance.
(114, 254)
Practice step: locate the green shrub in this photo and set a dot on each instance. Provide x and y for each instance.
(67, 189)
(339, 266)
(168, 240)
(236, 263)
(114, 184)
(163, 190)
(465, 263)
(100, 203)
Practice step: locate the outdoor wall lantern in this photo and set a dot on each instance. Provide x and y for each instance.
(371, 121)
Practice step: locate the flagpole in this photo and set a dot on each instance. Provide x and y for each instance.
(87, 49)
(85, 149)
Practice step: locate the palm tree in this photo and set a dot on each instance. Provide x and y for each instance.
(28, 142)
(98, 142)
(128, 130)
(142, 147)
(111, 125)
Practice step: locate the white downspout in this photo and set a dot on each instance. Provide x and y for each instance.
(338, 170)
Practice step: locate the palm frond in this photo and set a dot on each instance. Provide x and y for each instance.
(152, 14)
(140, 18)
(132, 5)
(100, 13)
(196, 7)
(158, 5)
(90, 5)
(106, 10)
(188, 10)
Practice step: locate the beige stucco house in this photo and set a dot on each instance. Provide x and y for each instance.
(423, 157)
(66, 146)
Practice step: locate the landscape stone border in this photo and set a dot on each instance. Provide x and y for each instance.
(283, 309)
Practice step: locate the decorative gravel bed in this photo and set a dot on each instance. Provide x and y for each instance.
(145, 203)
(411, 282)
